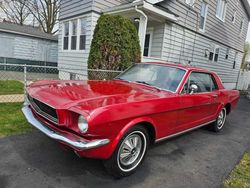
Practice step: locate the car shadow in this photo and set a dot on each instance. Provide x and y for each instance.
(44, 154)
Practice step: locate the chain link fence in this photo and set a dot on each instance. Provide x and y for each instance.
(15, 77)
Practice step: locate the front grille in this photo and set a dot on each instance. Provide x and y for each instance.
(43, 109)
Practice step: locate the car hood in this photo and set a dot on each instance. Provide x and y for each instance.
(89, 95)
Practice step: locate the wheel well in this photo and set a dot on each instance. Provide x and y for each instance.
(228, 108)
(151, 131)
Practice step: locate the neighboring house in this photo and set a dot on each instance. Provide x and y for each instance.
(27, 45)
(209, 34)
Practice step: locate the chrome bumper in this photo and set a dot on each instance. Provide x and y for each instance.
(81, 145)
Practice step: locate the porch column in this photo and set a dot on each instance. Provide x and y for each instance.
(142, 33)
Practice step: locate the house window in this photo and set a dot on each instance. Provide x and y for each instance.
(66, 36)
(214, 55)
(241, 26)
(73, 34)
(235, 59)
(82, 44)
(227, 53)
(203, 16)
(147, 45)
(190, 2)
(234, 16)
(221, 9)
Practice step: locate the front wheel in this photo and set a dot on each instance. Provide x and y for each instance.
(220, 121)
(129, 153)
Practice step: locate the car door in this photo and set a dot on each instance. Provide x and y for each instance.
(199, 107)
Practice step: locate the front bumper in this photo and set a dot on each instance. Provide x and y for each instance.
(77, 144)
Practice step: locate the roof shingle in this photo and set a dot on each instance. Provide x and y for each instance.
(26, 31)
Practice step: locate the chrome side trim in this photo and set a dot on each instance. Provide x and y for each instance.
(185, 131)
(81, 145)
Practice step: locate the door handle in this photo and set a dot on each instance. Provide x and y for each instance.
(215, 96)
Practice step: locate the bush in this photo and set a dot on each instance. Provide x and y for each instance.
(115, 44)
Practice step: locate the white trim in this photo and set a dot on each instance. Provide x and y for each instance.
(70, 34)
(214, 50)
(234, 15)
(190, 2)
(78, 32)
(151, 8)
(205, 17)
(241, 29)
(149, 31)
(219, 10)
(140, 5)
(154, 1)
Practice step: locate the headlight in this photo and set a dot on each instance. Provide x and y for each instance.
(82, 124)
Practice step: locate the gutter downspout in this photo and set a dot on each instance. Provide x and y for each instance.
(142, 28)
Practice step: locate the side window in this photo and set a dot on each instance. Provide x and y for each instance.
(201, 80)
(214, 85)
(204, 81)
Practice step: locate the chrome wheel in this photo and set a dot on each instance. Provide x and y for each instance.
(131, 151)
(221, 118)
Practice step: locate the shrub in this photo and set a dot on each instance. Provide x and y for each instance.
(115, 44)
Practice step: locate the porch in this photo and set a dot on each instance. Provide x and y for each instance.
(149, 20)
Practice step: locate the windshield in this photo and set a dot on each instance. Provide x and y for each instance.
(160, 76)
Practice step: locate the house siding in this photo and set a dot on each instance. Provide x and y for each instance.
(27, 48)
(179, 42)
(99, 5)
(71, 8)
(225, 32)
(184, 43)
(185, 46)
(157, 38)
(76, 61)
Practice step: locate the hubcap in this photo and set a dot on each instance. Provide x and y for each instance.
(130, 149)
(221, 118)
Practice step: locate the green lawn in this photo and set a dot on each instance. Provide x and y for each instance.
(240, 176)
(11, 87)
(12, 120)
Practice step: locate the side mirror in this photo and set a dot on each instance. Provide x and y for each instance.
(193, 89)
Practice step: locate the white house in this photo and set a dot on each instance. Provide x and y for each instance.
(209, 34)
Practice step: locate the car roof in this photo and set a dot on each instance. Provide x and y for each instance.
(186, 67)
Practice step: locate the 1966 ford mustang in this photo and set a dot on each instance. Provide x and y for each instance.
(117, 120)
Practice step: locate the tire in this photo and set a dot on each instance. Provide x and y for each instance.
(129, 153)
(218, 125)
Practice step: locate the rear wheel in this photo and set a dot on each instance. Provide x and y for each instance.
(129, 153)
(220, 121)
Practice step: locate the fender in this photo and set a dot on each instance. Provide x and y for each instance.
(132, 123)
(219, 109)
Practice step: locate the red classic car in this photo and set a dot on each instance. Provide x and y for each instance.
(117, 120)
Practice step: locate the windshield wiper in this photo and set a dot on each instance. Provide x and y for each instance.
(118, 79)
(121, 79)
(143, 82)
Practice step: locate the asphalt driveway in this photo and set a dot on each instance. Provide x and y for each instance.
(197, 159)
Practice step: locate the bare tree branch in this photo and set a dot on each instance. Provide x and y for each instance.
(15, 10)
(45, 12)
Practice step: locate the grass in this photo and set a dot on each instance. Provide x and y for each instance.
(12, 120)
(9, 87)
(240, 176)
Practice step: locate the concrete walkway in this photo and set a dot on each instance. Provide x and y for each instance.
(11, 98)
